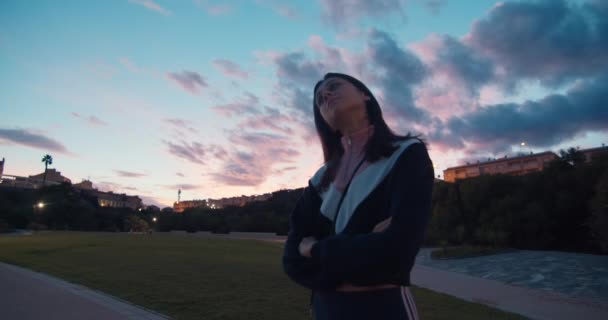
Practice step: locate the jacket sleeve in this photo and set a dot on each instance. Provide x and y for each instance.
(302, 223)
(366, 258)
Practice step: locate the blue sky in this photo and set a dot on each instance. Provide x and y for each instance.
(148, 97)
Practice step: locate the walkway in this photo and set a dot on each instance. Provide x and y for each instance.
(25, 295)
(532, 303)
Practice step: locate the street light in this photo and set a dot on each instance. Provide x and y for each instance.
(40, 205)
(154, 219)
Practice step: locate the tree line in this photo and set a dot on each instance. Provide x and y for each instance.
(564, 207)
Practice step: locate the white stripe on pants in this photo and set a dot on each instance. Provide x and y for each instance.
(408, 303)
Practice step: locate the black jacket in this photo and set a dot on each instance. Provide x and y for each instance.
(399, 186)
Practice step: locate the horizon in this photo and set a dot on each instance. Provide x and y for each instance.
(145, 97)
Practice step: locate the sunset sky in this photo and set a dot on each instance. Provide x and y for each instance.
(145, 97)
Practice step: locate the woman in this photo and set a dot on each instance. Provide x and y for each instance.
(356, 230)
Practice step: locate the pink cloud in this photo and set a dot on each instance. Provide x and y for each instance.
(181, 124)
(215, 9)
(129, 174)
(230, 68)
(190, 81)
(130, 65)
(182, 187)
(242, 107)
(280, 8)
(253, 160)
(149, 4)
(92, 120)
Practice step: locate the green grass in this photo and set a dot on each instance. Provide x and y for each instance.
(466, 252)
(193, 277)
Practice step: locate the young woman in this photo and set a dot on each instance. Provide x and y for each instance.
(356, 230)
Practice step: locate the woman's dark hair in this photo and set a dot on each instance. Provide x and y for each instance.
(381, 144)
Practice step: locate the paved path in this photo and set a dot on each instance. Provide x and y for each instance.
(532, 303)
(25, 295)
(572, 274)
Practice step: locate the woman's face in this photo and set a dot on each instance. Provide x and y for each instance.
(338, 100)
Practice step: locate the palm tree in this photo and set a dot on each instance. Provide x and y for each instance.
(47, 159)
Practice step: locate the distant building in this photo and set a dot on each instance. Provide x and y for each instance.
(236, 201)
(109, 199)
(116, 200)
(52, 177)
(513, 166)
(16, 182)
(219, 203)
(180, 206)
(84, 185)
(592, 153)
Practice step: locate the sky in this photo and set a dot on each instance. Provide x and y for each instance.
(147, 97)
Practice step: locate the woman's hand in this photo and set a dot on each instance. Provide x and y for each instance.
(382, 225)
(306, 246)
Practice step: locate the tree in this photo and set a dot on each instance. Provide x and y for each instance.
(572, 156)
(598, 221)
(47, 160)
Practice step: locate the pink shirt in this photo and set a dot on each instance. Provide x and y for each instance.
(353, 145)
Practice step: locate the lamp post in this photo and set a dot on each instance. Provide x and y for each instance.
(522, 145)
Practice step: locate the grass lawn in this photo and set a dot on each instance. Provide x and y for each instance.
(466, 252)
(189, 277)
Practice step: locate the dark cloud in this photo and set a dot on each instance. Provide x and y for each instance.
(282, 171)
(114, 187)
(128, 174)
(463, 64)
(182, 187)
(92, 120)
(31, 139)
(384, 65)
(543, 123)
(188, 80)
(550, 40)
(230, 69)
(295, 68)
(194, 152)
(400, 70)
(179, 174)
(343, 13)
(434, 5)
